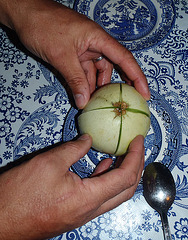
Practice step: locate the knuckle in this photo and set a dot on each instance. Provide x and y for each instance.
(128, 53)
(76, 80)
(131, 179)
(131, 193)
(71, 147)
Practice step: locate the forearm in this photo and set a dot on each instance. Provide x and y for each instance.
(14, 13)
(10, 12)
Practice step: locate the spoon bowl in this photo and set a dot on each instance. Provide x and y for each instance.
(159, 191)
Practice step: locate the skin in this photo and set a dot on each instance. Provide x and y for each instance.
(70, 42)
(41, 198)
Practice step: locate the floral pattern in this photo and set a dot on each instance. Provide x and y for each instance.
(181, 228)
(50, 116)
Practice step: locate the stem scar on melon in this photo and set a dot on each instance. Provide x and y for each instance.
(120, 108)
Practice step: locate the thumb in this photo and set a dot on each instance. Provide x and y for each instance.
(74, 75)
(71, 152)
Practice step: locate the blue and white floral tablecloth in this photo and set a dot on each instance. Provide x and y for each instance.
(35, 110)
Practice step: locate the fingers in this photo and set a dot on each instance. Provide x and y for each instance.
(116, 186)
(123, 196)
(76, 78)
(82, 78)
(99, 72)
(103, 166)
(120, 56)
(104, 68)
(90, 72)
(68, 153)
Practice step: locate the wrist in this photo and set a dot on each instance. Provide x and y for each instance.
(11, 12)
(14, 221)
(14, 14)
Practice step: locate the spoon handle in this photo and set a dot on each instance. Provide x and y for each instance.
(166, 228)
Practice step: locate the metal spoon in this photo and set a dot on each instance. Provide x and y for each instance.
(159, 192)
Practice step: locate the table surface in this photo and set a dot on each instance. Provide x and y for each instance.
(35, 110)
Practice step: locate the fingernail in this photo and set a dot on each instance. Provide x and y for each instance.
(84, 137)
(148, 94)
(80, 100)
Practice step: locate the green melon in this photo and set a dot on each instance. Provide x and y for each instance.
(113, 117)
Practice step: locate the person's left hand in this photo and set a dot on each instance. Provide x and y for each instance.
(41, 198)
(70, 42)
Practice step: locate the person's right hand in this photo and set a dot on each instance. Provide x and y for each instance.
(41, 198)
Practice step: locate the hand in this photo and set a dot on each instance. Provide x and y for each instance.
(41, 198)
(70, 41)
